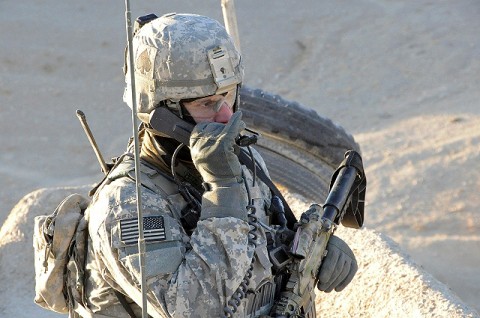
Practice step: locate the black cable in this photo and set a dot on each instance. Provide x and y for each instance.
(172, 163)
(240, 292)
(254, 166)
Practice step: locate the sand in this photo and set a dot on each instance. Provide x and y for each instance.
(402, 77)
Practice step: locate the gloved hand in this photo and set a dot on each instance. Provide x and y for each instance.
(338, 267)
(212, 149)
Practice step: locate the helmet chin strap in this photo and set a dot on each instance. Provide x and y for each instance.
(236, 105)
(175, 107)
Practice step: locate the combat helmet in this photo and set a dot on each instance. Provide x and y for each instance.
(181, 56)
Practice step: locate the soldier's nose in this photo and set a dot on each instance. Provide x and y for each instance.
(224, 114)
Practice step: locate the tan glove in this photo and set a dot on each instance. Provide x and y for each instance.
(338, 267)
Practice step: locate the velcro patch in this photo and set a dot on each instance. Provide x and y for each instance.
(153, 229)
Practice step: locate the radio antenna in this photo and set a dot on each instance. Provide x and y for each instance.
(141, 239)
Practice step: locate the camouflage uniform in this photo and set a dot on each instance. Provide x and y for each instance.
(183, 57)
(186, 276)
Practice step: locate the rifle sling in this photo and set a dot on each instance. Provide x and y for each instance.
(251, 164)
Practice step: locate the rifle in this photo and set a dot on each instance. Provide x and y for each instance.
(344, 203)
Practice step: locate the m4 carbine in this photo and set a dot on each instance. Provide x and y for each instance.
(345, 204)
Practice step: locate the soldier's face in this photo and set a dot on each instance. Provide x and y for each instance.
(215, 108)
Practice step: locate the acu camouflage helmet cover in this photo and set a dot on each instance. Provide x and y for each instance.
(182, 56)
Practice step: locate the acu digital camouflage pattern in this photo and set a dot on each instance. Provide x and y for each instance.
(171, 60)
(53, 237)
(186, 276)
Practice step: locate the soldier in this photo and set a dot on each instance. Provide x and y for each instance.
(206, 251)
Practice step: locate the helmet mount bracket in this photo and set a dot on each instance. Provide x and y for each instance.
(222, 69)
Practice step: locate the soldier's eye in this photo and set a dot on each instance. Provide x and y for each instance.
(210, 104)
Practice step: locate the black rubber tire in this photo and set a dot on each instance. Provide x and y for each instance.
(301, 148)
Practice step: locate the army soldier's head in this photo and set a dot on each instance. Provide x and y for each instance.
(187, 63)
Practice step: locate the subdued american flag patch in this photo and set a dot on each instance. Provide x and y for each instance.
(153, 229)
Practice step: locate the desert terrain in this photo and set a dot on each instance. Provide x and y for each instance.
(401, 76)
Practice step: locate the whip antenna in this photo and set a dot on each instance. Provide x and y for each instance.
(141, 239)
(93, 143)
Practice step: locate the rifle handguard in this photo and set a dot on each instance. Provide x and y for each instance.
(345, 203)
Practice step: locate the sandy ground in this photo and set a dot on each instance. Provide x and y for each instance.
(402, 77)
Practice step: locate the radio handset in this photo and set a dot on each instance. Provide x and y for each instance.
(166, 122)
